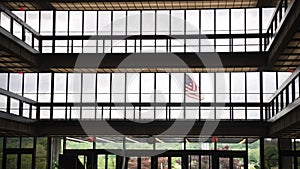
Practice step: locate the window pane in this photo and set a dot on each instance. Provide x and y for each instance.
(133, 87)
(133, 22)
(207, 21)
(162, 23)
(103, 87)
(32, 19)
(118, 87)
(46, 22)
(222, 21)
(88, 87)
(75, 26)
(30, 85)
(162, 87)
(44, 87)
(237, 21)
(59, 87)
(61, 23)
(5, 21)
(104, 22)
(148, 22)
(177, 22)
(147, 87)
(192, 22)
(90, 22)
(15, 83)
(119, 21)
(252, 20)
(238, 87)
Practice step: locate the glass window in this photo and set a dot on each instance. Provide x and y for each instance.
(282, 76)
(15, 83)
(269, 84)
(222, 88)
(103, 87)
(237, 21)
(75, 23)
(19, 14)
(5, 21)
(253, 90)
(46, 22)
(177, 22)
(74, 87)
(32, 19)
(17, 30)
(44, 87)
(207, 21)
(61, 23)
(267, 14)
(61, 46)
(60, 87)
(28, 37)
(162, 87)
(104, 22)
(238, 45)
(162, 22)
(192, 21)
(177, 88)
(252, 20)
(88, 87)
(147, 87)
(222, 45)
(90, 23)
(119, 22)
(118, 87)
(133, 87)
(222, 21)
(3, 80)
(207, 87)
(148, 22)
(47, 46)
(133, 22)
(238, 87)
(192, 95)
(30, 85)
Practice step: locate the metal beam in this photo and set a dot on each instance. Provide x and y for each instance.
(152, 60)
(74, 128)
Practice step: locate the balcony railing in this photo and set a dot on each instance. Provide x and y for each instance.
(275, 22)
(285, 95)
(19, 29)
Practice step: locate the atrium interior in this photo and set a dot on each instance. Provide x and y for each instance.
(204, 84)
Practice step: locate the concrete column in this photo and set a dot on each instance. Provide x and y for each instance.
(285, 162)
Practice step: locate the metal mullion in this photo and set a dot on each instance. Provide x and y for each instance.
(215, 97)
(81, 88)
(52, 96)
(125, 95)
(230, 98)
(184, 97)
(184, 31)
(97, 40)
(199, 87)
(111, 30)
(110, 94)
(215, 27)
(293, 90)
(260, 30)
(246, 101)
(140, 94)
(126, 29)
(230, 33)
(154, 95)
(155, 30)
(169, 110)
(67, 92)
(96, 91)
(245, 31)
(199, 32)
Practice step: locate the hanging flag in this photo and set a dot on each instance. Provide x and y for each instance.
(191, 88)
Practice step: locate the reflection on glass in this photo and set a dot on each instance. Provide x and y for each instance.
(162, 163)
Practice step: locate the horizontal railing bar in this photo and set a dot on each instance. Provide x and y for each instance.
(17, 97)
(284, 84)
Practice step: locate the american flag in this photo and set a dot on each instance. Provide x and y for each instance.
(191, 88)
